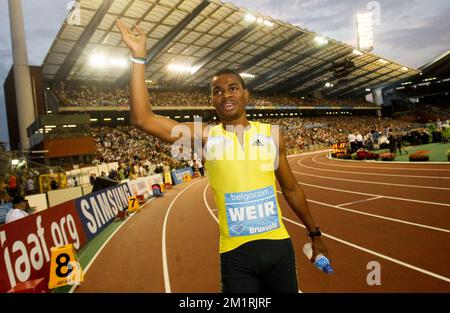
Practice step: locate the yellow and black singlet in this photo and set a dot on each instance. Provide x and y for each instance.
(243, 181)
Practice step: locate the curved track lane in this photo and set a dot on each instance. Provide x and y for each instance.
(395, 214)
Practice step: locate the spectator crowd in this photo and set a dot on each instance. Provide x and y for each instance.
(98, 96)
(139, 154)
(132, 146)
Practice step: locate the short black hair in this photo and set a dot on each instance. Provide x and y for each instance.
(18, 199)
(225, 71)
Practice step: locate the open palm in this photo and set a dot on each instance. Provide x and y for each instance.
(136, 43)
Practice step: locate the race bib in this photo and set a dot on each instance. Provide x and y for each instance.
(251, 212)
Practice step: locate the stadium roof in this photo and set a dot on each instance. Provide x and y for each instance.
(432, 80)
(205, 36)
(438, 67)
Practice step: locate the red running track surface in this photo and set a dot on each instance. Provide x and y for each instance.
(395, 214)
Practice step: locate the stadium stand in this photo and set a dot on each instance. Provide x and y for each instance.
(128, 145)
(70, 95)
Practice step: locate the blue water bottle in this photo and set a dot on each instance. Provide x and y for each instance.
(321, 262)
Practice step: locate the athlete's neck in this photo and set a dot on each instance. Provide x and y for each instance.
(241, 121)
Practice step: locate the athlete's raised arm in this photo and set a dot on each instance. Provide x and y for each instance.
(141, 114)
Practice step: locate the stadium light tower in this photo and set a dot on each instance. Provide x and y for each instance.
(364, 25)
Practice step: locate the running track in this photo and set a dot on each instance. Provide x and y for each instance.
(395, 214)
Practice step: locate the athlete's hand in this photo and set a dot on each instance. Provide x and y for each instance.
(318, 247)
(136, 43)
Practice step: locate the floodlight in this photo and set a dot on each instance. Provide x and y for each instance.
(247, 75)
(364, 17)
(364, 24)
(119, 62)
(180, 68)
(250, 18)
(97, 60)
(320, 40)
(194, 69)
(100, 60)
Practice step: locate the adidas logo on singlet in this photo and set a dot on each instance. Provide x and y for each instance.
(258, 143)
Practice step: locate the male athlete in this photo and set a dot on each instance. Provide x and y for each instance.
(242, 159)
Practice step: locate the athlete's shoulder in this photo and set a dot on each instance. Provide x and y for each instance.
(261, 124)
(263, 127)
(215, 130)
(269, 129)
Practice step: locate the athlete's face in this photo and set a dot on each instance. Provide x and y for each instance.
(229, 97)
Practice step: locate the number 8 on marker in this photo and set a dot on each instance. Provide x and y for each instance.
(61, 265)
(64, 267)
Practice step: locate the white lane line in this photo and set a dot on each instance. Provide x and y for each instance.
(384, 166)
(164, 250)
(211, 211)
(415, 268)
(372, 194)
(360, 201)
(207, 205)
(339, 207)
(103, 246)
(366, 182)
(373, 174)
(309, 153)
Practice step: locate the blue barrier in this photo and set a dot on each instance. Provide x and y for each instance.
(177, 175)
